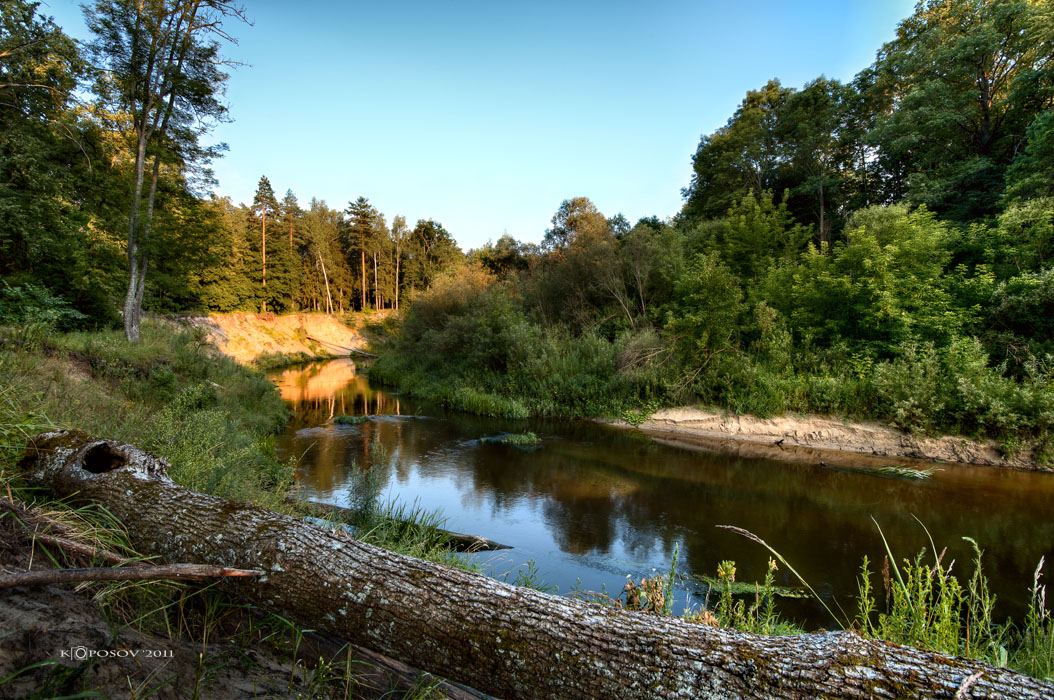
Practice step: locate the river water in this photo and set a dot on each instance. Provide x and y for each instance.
(593, 504)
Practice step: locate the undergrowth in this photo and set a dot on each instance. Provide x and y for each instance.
(214, 422)
(278, 360)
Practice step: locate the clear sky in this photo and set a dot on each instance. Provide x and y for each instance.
(486, 115)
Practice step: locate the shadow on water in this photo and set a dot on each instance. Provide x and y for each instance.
(595, 504)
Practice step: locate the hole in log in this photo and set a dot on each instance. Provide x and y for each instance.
(102, 458)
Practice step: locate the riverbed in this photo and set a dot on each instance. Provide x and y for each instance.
(591, 505)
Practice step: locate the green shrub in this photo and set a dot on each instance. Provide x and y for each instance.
(909, 389)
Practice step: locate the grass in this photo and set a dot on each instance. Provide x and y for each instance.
(214, 421)
(408, 529)
(925, 606)
(352, 420)
(744, 588)
(527, 439)
(902, 472)
(563, 381)
(528, 576)
(731, 610)
(171, 394)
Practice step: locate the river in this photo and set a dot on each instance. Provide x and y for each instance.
(592, 504)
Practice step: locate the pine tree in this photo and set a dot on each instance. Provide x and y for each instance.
(291, 216)
(355, 236)
(264, 207)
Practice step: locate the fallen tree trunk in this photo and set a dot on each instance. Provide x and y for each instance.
(507, 641)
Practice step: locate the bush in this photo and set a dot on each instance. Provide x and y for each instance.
(909, 389)
(35, 312)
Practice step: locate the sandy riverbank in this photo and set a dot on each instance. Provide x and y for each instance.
(817, 438)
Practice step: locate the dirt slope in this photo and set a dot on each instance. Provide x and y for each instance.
(811, 436)
(246, 337)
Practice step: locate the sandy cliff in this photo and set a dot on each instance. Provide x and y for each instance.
(246, 337)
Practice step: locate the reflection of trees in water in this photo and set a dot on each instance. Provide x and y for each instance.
(820, 519)
(319, 392)
(597, 488)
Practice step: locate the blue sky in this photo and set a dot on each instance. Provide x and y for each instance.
(486, 115)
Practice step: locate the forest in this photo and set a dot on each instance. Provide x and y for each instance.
(875, 248)
(67, 173)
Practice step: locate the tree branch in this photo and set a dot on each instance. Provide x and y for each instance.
(85, 549)
(169, 572)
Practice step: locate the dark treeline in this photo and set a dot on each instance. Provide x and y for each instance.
(880, 248)
(68, 172)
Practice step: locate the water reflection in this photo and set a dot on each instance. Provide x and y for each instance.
(595, 504)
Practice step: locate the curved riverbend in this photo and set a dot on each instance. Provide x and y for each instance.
(592, 504)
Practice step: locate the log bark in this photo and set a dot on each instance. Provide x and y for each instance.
(509, 642)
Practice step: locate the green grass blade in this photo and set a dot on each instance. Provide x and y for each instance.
(751, 536)
(893, 563)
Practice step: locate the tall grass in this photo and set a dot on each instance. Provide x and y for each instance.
(925, 606)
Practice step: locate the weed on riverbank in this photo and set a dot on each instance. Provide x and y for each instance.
(923, 605)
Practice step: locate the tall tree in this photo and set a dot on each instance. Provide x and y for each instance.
(813, 132)
(357, 231)
(744, 154)
(1031, 174)
(504, 256)
(291, 215)
(577, 219)
(222, 278)
(264, 207)
(323, 255)
(400, 235)
(964, 80)
(431, 249)
(162, 68)
(46, 161)
(379, 240)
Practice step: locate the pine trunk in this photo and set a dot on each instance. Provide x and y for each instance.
(263, 245)
(507, 641)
